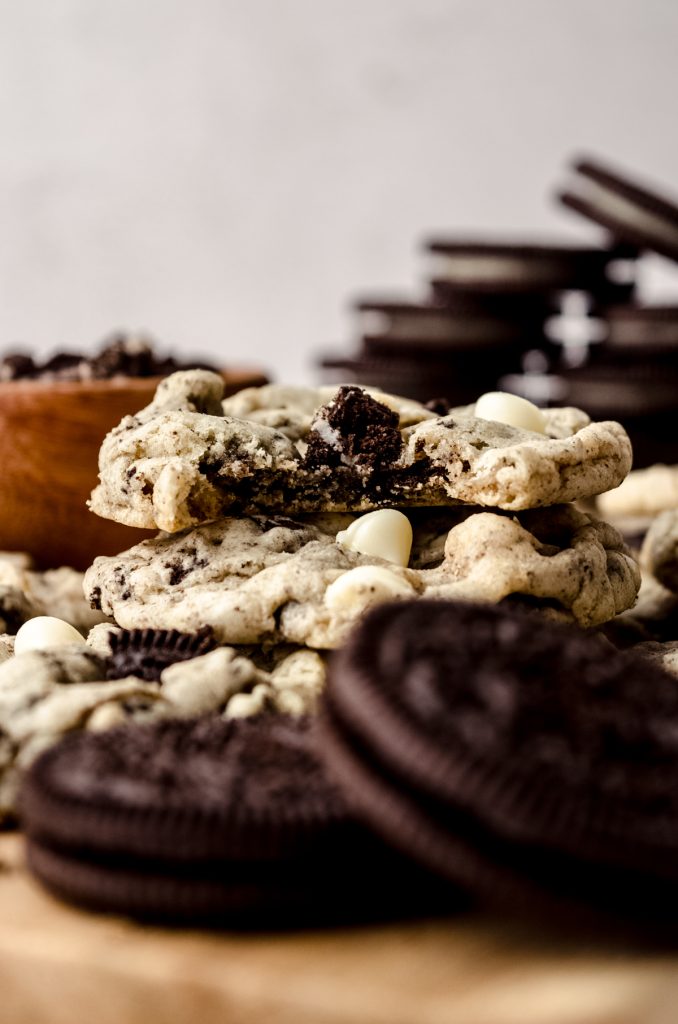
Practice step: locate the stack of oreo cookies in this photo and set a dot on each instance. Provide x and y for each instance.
(633, 373)
(488, 306)
(491, 306)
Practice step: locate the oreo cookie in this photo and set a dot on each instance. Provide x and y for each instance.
(527, 762)
(631, 212)
(209, 819)
(145, 653)
(503, 267)
(459, 379)
(399, 327)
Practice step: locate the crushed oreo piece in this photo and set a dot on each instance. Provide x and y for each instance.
(16, 365)
(125, 355)
(354, 430)
(146, 653)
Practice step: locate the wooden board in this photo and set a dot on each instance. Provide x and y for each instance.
(61, 966)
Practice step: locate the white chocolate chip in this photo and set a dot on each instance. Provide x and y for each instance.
(243, 705)
(385, 533)
(45, 631)
(365, 585)
(512, 410)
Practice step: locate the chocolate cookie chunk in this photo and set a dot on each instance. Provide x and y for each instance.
(126, 355)
(354, 430)
(631, 212)
(525, 761)
(199, 819)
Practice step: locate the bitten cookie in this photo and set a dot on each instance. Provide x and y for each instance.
(529, 763)
(183, 460)
(275, 579)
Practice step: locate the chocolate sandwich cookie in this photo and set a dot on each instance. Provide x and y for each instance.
(459, 379)
(632, 213)
(145, 653)
(203, 819)
(527, 762)
(502, 267)
(394, 326)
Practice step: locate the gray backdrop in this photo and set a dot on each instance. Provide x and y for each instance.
(227, 174)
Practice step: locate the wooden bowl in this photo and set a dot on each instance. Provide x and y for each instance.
(50, 434)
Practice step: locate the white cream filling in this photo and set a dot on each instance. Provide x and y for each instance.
(490, 269)
(623, 332)
(625, 211)
(405, 327)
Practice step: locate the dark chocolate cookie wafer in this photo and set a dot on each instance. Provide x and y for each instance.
(206, 818)
(526, 761)
(631, 212)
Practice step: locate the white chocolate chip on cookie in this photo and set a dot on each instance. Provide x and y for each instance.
(45, 631)
(512, 410)
(365, 585)
(386, 533)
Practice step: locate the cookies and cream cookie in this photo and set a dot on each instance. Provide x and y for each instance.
(307, 580)
(187, 458)
(25, 592)
(644, 493)
(659, 553)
